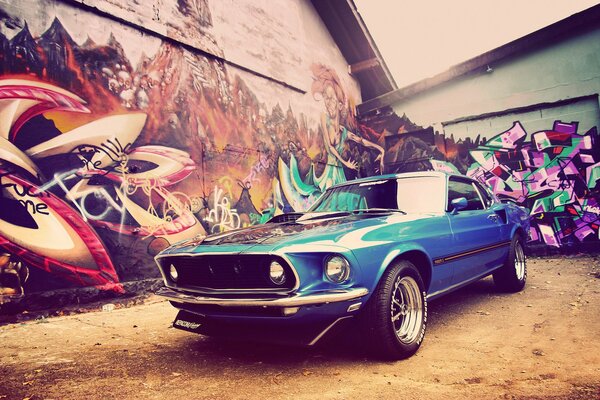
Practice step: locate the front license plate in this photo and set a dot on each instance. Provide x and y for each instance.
(188, 322)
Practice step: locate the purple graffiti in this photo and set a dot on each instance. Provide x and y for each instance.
(555, 174)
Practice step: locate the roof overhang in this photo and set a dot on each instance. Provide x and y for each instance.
(352, 37)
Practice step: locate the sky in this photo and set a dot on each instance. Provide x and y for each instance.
(421, 38)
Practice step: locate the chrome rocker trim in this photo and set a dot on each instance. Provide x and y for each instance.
(331, 296)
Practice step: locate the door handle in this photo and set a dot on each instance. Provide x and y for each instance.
(493, 217)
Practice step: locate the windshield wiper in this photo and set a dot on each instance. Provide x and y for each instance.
(378, 210)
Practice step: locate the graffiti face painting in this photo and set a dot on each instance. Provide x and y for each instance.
(301, 188)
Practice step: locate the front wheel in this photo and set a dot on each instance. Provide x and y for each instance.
(396, 315)
(511, 277)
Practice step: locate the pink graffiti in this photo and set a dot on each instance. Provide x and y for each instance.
(555, 174)
(48, 233)
(264, 162)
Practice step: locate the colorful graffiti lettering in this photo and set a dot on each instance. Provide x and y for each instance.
(221, 216)
(555, 174)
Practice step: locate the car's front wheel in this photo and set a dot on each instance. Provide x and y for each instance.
(512, 275)
(396, 315)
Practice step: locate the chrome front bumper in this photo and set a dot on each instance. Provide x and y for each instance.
(330, 296)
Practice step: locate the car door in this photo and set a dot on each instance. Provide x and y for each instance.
(497, 207)
(477, 239)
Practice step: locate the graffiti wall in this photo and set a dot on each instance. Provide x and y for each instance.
(555, 173)
(115, 144)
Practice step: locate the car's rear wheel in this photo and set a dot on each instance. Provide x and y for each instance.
(511, 277)
(396, 315)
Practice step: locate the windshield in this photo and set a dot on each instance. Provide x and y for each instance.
(414, 194)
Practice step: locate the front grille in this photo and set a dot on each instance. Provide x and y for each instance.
(227, 272)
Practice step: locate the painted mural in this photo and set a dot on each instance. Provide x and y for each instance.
(337, 128)
(104, 161)
(410, 147)
(554, 173)
(111, 151)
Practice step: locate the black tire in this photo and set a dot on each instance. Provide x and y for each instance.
(394, 330)
(511, 277)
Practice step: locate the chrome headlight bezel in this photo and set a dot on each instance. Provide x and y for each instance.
(173, 273)
(277, 273)
(336, 268)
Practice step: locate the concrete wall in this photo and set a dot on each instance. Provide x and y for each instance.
(564, 70)
(126, 126)
(527, 127)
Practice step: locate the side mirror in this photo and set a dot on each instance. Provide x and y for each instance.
(458, 204)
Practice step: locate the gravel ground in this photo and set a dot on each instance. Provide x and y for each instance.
(542, 343)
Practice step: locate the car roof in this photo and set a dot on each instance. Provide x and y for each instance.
(440, 174)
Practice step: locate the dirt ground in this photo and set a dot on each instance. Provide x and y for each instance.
(542, 343)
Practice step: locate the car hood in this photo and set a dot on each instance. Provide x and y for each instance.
(332, 228)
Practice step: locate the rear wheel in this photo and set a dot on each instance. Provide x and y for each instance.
(511, 277)
(396, 315)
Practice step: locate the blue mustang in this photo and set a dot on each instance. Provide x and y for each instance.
(374, 250)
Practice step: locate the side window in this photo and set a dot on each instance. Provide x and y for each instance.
(488, 200)
(459, 188)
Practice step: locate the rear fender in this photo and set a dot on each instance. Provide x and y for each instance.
(519, 218)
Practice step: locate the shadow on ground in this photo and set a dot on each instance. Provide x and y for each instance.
(346, 345)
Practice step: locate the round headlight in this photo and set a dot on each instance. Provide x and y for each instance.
(276, 273)
(337, 269)
(173, 273)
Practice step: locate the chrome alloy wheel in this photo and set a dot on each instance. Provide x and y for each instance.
(407, 309)
(519, 261)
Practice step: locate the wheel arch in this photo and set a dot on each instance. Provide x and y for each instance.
(418, 257)
(519, 230)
